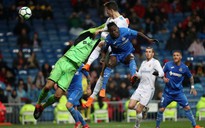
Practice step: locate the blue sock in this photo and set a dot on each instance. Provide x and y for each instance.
(81, 118)
(132, 67)
(159, 118)
(106, 77)
(190, 116)
(74, 114)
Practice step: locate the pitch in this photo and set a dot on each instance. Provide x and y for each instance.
(145, 124)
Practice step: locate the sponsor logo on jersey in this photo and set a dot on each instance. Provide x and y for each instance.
(175, 74)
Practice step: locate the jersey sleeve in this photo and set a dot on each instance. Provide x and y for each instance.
(187, 72)
(158, 67)
(139, 73)
(132, 33)
(105, 29)
(165, 69)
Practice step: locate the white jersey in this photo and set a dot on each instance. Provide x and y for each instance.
(120, 21)
(146, 88)
(147, 80)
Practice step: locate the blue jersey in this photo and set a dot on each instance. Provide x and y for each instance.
(75, 90)
(123, 43)
(175, 74)
(76, 83)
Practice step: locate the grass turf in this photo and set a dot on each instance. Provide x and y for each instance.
(145, 124)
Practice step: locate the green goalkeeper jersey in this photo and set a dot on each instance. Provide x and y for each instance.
(82, 48)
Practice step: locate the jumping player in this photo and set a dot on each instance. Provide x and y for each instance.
(119, 39)
(65, 68)
(111, 9)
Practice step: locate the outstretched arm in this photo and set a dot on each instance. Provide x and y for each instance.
(147, 38)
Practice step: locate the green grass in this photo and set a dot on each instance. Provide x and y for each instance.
(145, 124)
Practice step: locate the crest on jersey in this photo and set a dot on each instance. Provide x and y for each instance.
(180, 69)
(84, 42)
(123, 38)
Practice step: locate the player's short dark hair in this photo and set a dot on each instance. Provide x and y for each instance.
(151, 48)
(178, 51)
(111, 24)
(111, 5)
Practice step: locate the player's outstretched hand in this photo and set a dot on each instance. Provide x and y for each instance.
(155, 41)
(155, 73)
(193, 91)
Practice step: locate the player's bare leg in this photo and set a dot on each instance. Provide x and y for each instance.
(133, 67)
(106, 74)
(138, 107)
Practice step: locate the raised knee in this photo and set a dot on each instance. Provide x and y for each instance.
(131, 106)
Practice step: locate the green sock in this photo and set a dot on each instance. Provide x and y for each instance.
(50, 101)
(42, 96)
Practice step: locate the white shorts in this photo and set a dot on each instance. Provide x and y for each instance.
(143, 96)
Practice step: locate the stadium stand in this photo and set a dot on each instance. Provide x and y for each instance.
(184, 21)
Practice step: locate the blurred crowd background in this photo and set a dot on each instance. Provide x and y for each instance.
(29, 49)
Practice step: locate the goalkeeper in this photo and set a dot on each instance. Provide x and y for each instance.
(65, 68)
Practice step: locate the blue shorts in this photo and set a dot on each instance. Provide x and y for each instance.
(121, 57)
(74, 96)
(168, 98)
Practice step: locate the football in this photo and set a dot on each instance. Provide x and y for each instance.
(25, 13)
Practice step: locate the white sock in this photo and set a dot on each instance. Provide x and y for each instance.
(94, 55)
(138, 119)
(97, 87)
